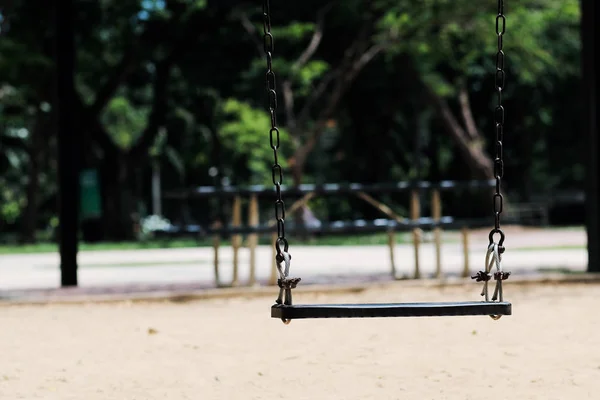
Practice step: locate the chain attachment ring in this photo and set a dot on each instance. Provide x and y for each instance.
(500, 242)
(285, 283)
(493, 258)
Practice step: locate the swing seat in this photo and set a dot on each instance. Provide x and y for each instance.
(375, 310)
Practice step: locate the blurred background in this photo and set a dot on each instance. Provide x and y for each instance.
(164, 117)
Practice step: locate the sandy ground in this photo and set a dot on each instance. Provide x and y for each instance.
(231, 349)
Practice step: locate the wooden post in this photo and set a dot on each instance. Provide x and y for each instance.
(236, 239)
(465, 240)
(436, 211)
(415, 212)
(273, 275)
(216, 244)
(253, 237)
(392, 245)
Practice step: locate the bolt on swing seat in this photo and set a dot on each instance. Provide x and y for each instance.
(285, 310)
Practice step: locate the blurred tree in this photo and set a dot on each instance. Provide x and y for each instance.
(452, 46)
(139, 45)
(26, 114)
(361, 86)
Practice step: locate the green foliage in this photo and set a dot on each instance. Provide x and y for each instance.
(244, 134)
(124, 121)
(460, 35)
(293, 31)
(12, 202)
(158, 147)
(370, 134)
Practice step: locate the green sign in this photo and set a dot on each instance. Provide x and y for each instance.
(90, 203)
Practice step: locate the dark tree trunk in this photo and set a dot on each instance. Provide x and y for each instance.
(69, 146)
(297, 172)
(469, 141)
(589, 28)
(116, 216)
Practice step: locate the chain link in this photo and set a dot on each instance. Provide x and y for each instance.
(281, 244)
(499, 82)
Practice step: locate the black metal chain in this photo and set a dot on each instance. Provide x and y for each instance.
(277, 172)
(498, 200)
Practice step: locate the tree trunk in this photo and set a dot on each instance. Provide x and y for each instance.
(469, 140)
(297, 171)
(156, 192)
(115, 216)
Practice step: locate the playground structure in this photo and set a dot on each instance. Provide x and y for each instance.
(493, 306)
(391, 224)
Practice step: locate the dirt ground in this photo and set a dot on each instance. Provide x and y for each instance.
(231, 349)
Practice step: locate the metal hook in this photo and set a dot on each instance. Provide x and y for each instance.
(286, 245)
(286, 259)
(501, 242)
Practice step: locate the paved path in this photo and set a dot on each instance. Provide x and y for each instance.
(529, 251)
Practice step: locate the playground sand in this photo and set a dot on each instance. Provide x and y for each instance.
(231, 349)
